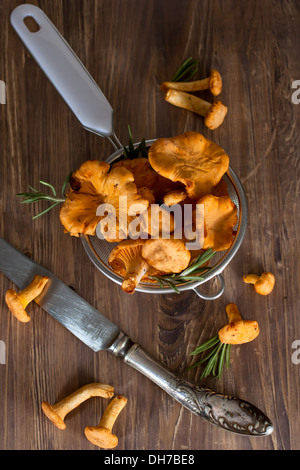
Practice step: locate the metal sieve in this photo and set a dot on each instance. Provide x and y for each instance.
(98, 250)
(80, 92)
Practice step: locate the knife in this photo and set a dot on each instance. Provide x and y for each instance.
(99, 333)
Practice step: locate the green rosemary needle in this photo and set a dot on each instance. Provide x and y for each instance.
(186, 71)
(191, 273)
(133, 152)
(216, 358)
(35, 196)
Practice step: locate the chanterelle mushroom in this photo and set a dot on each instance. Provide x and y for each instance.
(213, 113)
(166, 255)
(212, 83)
(92, 185)
(127, 261)
(102, 435)
(141, 170)
(238, 331)
(191, 159)
(57, 413)
(17, 303)
(174, 197)
(220, 217)
(263, 284)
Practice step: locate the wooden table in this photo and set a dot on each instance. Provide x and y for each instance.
(130, 47)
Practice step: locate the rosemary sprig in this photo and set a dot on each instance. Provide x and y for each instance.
(186, 71)
(216, 358)
(35, 196)
(191, 273)
(133, 152)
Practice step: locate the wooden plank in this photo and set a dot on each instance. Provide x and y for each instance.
(130, 47)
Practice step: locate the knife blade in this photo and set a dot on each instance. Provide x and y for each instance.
(99, 333)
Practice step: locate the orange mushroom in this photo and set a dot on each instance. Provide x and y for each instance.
(263, 284)
(212, 83)
(102, 435)
(220, 218)
(94, 185)
(174, 197)
(126, 260)
(57, 413)
(17, 303)
(166, 255)
(190, 159)
(143, 174)
(237, 331)
(213, 113)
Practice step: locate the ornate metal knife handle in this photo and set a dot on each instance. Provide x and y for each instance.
(224, 411)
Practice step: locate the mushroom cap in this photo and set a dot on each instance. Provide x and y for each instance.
(126, 252)
(93, 184)
(266, 283)
(143, 174)
(101, 437)
(52, 415)
(190, 159)
(239, 332)
(166, 255)
(263, 284)
(127, 261)
(15, 306)
(215, 115)
(174, 197)
(215, 82)
(220, 217)
(147, 193)
(78, 213)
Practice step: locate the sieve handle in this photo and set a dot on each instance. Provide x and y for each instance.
(64, 70)
(214, 296)
(224, 411)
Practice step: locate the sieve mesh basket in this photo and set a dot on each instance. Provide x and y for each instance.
(99, 250)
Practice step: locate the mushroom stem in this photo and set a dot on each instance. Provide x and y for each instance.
(57, 412)
(32, 290)
(212, 83)
(18, 302)
(112, 412)
(250, 278)
(213, 113)
(233, 313)
(101, 435)
(134, 276)
(187, 101)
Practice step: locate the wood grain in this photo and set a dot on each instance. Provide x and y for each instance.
(130, 47)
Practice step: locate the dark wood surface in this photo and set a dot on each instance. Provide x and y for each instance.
(130, 47)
